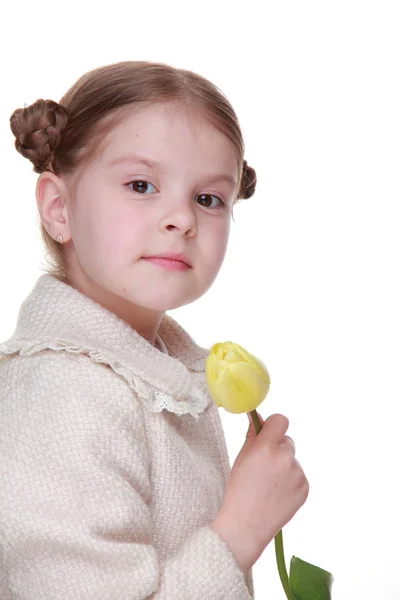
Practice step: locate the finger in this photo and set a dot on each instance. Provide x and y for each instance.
(274, 428)
(288, 443)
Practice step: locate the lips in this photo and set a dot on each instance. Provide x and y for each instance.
(178, 257)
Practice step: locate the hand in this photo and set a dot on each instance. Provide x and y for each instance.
(265, 489)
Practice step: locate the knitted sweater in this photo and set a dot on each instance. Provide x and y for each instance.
(113, 460)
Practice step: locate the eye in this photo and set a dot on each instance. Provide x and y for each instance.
(140, 186)
(206, 200)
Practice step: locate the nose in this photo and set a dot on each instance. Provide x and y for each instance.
(181, 218)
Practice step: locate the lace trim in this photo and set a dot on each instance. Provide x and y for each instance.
(154, 399)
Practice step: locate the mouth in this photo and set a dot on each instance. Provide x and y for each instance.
(170, 257)
(171, 262)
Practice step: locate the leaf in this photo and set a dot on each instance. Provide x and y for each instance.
(309, 582)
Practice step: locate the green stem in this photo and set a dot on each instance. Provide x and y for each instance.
(280, 561)
(280, 557)
(256, 421)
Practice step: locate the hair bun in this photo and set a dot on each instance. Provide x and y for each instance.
(37, 129)
(249, 181)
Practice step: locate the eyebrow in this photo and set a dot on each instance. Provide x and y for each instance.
(136, 159)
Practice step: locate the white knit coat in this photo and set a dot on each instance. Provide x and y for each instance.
(113, 460)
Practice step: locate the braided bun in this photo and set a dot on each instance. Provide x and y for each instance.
(37, 129)
(249, 181)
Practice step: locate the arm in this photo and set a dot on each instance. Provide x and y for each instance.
(74, 506)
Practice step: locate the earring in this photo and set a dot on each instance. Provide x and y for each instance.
(60, 239)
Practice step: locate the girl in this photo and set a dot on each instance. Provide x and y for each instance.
(115, 475)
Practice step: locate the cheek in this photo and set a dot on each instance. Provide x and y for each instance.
(101, 240)
(223, 234)
(216, 243)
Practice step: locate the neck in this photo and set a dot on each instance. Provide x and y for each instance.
(144, 321)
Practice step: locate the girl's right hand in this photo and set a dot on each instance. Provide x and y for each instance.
(265, 489)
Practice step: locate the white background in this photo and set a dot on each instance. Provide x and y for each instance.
(310, 283)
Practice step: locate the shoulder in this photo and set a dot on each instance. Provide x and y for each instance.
(60, 387)
(48, 369)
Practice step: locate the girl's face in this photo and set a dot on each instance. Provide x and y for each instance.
(165, 184)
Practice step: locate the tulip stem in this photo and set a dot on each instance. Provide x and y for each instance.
(256, 421)
(280, 557)
(280, 561)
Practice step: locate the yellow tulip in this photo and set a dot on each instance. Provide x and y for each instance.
(236, 379)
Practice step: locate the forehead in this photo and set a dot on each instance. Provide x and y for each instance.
(171, 132)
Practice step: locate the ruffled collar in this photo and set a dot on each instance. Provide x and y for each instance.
(58, 317)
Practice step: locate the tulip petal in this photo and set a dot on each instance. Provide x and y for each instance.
(252, 387)
(211, 366)
(232, 356)
(256, 363)
(229, 394)
(224, 392)
(219, 350)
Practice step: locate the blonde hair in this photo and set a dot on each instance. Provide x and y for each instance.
(62, 137)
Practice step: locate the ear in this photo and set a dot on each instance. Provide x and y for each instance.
(51, 198)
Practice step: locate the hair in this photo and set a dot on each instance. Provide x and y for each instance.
(62, 137)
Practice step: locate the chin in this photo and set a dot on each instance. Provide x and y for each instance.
(167, 303)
